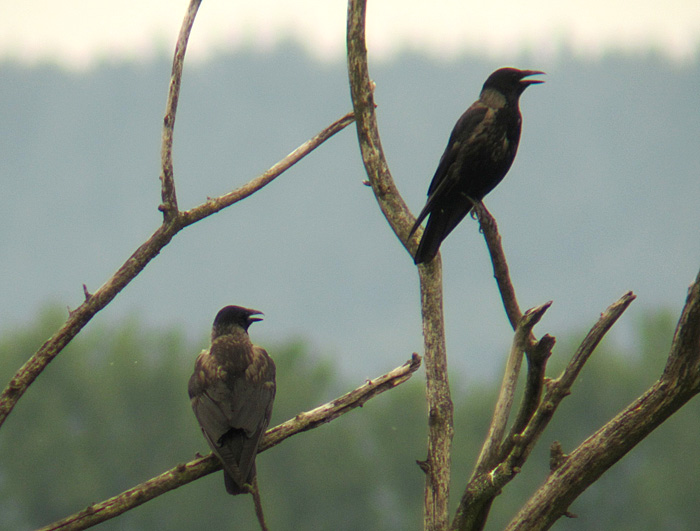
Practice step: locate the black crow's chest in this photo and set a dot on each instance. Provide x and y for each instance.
(490, 153)
(497, 143)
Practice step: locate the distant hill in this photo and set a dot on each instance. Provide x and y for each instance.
(603, 197)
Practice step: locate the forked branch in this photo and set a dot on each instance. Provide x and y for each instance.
(173, 222)
(490, 450)
(484, 487)
(678, 384)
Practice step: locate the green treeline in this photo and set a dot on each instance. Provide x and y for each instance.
(112, 411)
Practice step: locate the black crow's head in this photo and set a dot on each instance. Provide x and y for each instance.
(511, 82)
(231, 317)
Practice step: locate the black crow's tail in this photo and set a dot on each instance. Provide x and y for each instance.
(439, 225)
(432, 238)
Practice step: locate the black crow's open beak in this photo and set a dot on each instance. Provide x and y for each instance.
(528, 73)
(253, 319)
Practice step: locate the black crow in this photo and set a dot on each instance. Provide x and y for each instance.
(232, 390)
(480, 151)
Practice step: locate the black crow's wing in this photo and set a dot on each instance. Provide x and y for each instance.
(446, 179)
(233, 407)
(257, 390)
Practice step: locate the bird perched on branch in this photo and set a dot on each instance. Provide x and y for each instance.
(231, 391)
(480, 151)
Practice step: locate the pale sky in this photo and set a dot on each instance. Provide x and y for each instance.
(79, 32)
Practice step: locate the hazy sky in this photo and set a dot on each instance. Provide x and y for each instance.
(78, 32)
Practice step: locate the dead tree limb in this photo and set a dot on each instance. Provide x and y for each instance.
(167, 178)
(79, 317)
(202, 466)
(484, 487)
(440, 408)
(494, 439)
(679, 383)
(173, 222)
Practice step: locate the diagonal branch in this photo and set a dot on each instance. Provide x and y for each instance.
(469, 515)
(476, 501)
(562, 385)
(440, 408)
(684, 360)
(537, 352)
(202, 466)
(218, 203)
(95, 302)
(501, 273)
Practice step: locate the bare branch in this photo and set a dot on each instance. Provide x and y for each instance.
(500, 267)
(79, 317)
(684, 360)
(202, 466)
(476, 500)
(537, 351)
(537, 363)
(470, 514)
(167, 179)
(489, 451)
(482, 488)
(440, 422)
(609, 444)
(437, 466)
(362, 91)
(218, 203)
(255, 491)
(590, 342)
(561, 387)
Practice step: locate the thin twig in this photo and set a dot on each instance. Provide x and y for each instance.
(202, 466)
(506, 395)
(79, 317)
(218, 203)
(167, 179)
(440, 408)
(255, 491)
(563, 384)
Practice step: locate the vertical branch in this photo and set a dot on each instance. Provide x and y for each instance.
(440, 422)
(169, 197)
(438, 465)
(362, 92)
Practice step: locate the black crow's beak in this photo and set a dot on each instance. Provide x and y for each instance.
(528, 73)
(253, 319)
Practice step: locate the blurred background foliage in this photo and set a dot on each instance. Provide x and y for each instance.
(112, 411)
